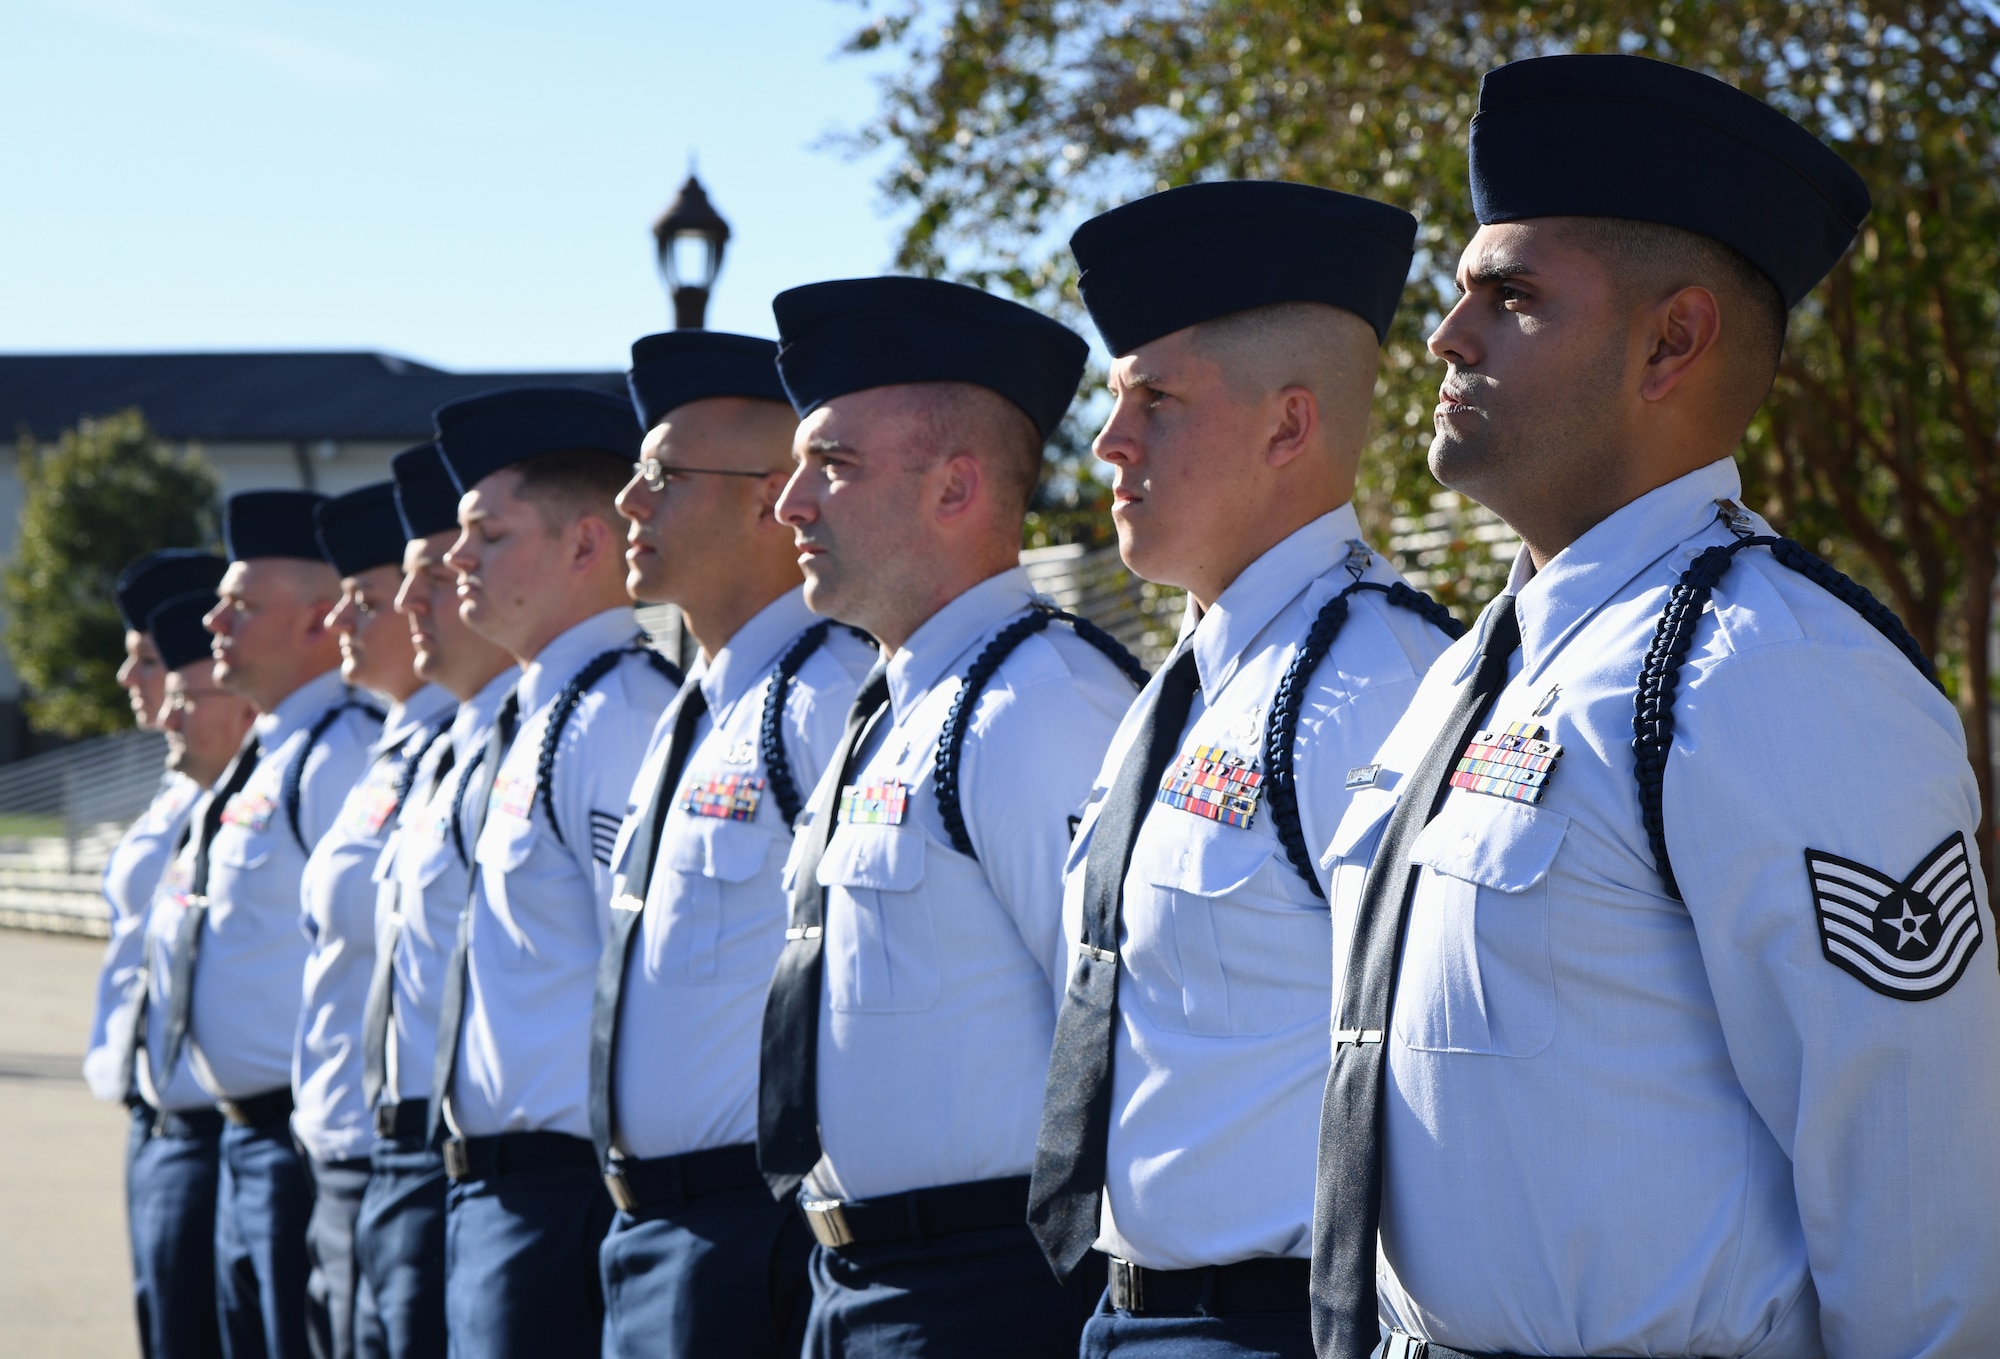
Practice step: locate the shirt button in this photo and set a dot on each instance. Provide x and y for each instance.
(1466, 845)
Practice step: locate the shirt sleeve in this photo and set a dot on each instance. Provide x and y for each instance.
(333, 766)
(1807, 788)
(602, 751)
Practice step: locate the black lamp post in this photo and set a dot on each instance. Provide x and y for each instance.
(691, 235)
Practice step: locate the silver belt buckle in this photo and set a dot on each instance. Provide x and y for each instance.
(828, 1222)
(233, 1111)
(1128, 1286)
(457, 1164)
(621, 1192)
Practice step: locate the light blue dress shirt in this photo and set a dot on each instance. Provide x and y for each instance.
(130, 878)
(251, 962)
(338, 894)
(944, 975)
(1220, 1058)
(1621, 1123)
(692, 1007)
(541, 906)
(422, 882)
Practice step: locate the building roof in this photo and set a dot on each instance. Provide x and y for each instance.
(249, 397)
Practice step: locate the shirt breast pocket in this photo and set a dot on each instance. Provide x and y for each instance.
(703, 858)
(1477, 971)
(241, 852)
(1237, 933)
(505, 845)
(881, 944)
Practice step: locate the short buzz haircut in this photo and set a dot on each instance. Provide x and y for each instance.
(571, 483)
(1648, 260)
(963, 417)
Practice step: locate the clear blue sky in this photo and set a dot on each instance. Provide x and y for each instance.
(469, 184)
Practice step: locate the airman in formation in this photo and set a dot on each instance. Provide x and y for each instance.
(916, 975)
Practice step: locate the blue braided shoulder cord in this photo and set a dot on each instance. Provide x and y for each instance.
(1659, 672)
(565, 706)
(951, 740)
(771, 722)
(291, 792)
(1281, 730)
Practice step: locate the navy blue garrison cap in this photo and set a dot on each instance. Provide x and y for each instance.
(360, 530)
(271, 524)
(853, 334)
(482, 434)
(679, 366)
(162, 575)
(1148, 267)
(175, 626)
(1620, 136)
(426, 496)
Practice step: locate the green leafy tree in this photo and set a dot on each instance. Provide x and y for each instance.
(104, 493)
(1014, 120)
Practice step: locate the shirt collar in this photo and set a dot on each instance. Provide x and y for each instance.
(477, 713)
(557, 663)
(1262, 590)
(929, 653)
(414, 713)
(744, 659)
(299, 708)
(1555, 601)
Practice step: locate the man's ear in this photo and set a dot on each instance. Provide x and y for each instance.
(1295, 424)
(769, 491)
(1682, 330)
(964, 482)
(590, 537)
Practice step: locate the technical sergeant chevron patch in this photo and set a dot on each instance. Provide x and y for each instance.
(1910, 939)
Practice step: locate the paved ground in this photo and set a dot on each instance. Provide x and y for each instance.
(65, 1284)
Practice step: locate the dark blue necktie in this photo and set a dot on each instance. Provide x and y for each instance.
(1068, 1183)
(1347, 1211)
(628, 902)
(788, 1061)
(187, 940)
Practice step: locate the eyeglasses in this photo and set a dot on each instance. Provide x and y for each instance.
(656, 474)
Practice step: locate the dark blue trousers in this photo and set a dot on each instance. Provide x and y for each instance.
(170, 1184)
(724, 1274)
(340, 1310)
(969, 1295)
(263, 1202)
(520, 1261)
(399, 1248)
(1236, 1335)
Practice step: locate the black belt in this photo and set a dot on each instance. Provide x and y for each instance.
(920, 1214)
(402, 1120)
(187, 1124)
(483, 1158)
(638, 1186)
(1269, 1285)
(269, 1110)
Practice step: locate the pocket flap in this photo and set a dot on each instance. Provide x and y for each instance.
(1492, 841)
(240, 851)
(728, 851)
(886, 858)
(1369, 810)
(1208, 860)
(506, 842)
